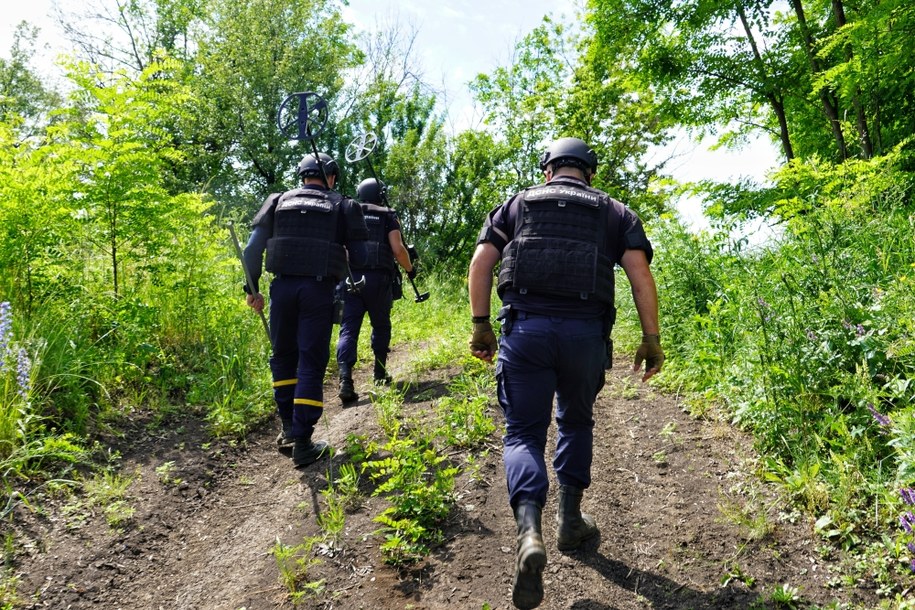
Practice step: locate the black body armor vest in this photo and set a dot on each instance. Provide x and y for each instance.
(559, 245)
(304, 238)
(378, 249)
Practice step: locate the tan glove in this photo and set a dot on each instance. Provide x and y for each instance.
(651, 353)
(483, 342)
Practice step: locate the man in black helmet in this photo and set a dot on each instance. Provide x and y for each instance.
(558, 243)
(308, 233)
(384, 247)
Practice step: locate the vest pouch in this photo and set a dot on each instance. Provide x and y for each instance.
(552, 265)
(306, 257)
(397, 286)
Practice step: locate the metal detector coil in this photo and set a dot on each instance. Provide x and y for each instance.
(361, 147)
(302, 116)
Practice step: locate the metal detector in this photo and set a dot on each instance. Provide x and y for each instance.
(303, 116)
(244, 268)
(359, 150)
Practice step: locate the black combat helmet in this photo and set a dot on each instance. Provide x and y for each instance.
(310, 168)
(371, 190)
(569, 151)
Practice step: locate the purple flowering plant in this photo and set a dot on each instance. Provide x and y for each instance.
(907, 522)
(15, 381)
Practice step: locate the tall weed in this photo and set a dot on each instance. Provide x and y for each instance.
(804, 339)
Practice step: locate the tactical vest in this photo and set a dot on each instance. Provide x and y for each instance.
(378, 249)
(304, 238)
(559, 245)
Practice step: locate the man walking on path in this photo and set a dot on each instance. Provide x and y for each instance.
(309, 233)
(384, 250)
(558, 243)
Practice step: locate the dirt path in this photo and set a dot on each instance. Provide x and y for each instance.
(662, 485)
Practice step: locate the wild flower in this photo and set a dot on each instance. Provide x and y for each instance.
(882, 419)
(811, 336)
(6, 327)
(23, 370)
(907, 520)
(858, 329)
(765, 309)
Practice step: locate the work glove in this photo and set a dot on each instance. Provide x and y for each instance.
(651, 353)
(411, 274)
(483, 340)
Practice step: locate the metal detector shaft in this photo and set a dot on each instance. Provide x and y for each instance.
(248, 280)
(419, 297)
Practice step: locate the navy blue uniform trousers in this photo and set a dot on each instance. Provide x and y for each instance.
(542, 357)
(374, 299)
(301, 319)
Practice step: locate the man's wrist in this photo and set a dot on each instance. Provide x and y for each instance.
(479, 319)
(651, 338)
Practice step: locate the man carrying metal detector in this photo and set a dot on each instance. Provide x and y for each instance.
(308, 233)
(358, 150)
(384, 247)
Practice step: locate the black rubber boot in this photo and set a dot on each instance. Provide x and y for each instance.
(306, 452)
(380, 373)
(527, 587)
(284, 440)
(574, 526)
(347, 389)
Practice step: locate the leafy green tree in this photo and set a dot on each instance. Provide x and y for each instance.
(130, 34)
(710, 63)
(560, 84)
(117, 137)
(822, 77)
(521, 100)
(35, 220)
(24, 99)
(252, 55)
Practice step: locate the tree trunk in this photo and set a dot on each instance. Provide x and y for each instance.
(830, 106)
(774, 98)
(867, 147)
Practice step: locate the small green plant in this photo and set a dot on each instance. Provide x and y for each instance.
(347, 486)
(419, 483)
(164, 473)
(668, 431)
(625, 388)
(736, 573)
(474, 467)
(109, 490)
(332, 519)
(749, 516)
(465, 421)
(294, 562)
(119, 513)
(9, 590)
(389, 410)
(786, 596)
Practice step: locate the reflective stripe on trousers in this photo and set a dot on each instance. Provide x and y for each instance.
(301, 310)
